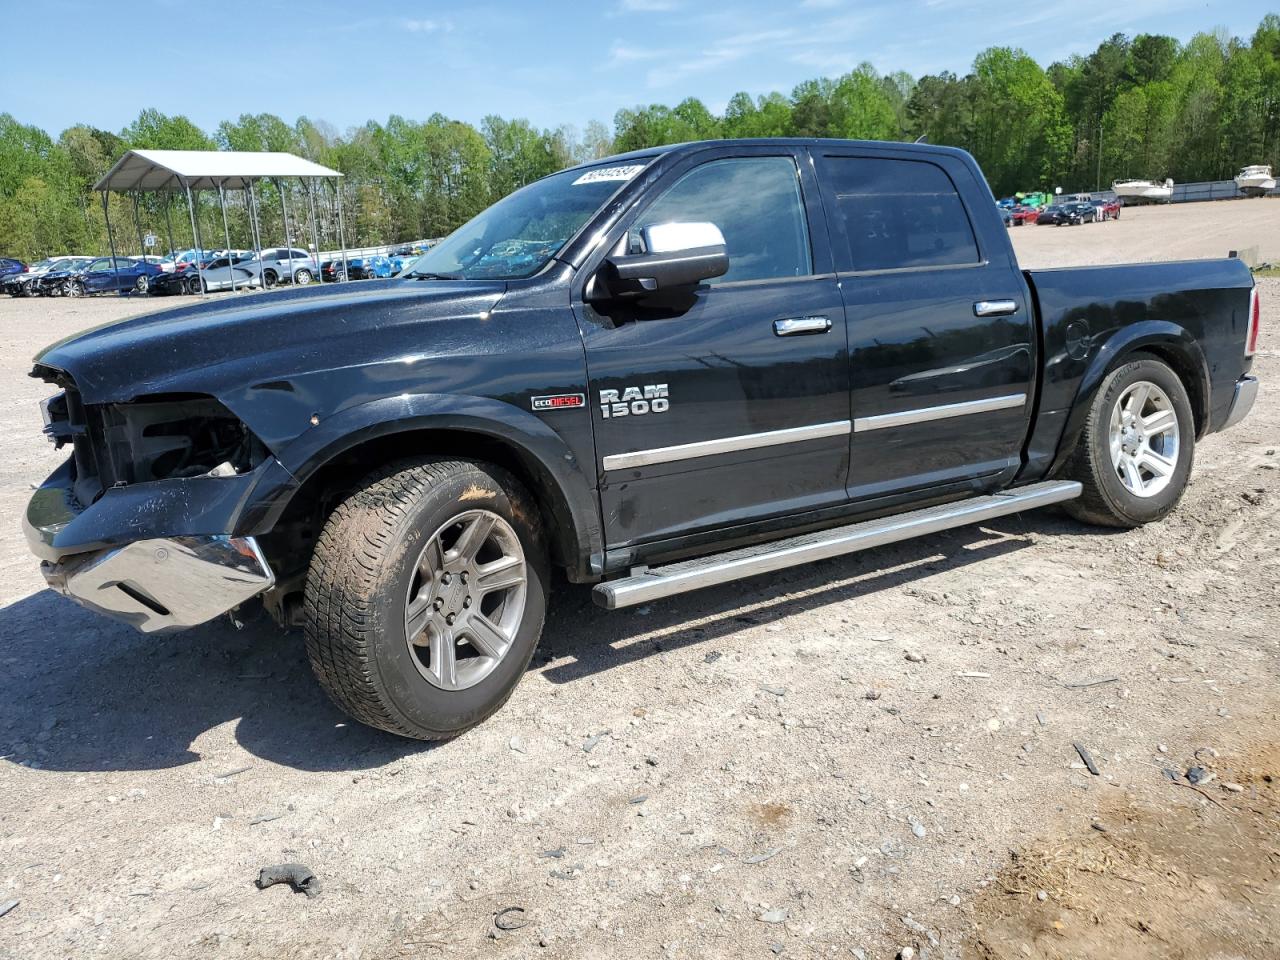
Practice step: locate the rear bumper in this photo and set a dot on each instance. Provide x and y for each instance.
(160, 586)
(1246, 393)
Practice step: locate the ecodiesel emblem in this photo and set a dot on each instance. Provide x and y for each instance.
(634, 401)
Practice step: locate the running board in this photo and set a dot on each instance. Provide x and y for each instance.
(644, 585)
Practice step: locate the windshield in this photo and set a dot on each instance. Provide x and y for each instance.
(516, 236)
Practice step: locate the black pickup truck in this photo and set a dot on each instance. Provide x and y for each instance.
(658, 372)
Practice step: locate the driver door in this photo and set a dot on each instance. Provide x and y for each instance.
(733, 406)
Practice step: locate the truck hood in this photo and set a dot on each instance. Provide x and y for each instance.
(231, 344)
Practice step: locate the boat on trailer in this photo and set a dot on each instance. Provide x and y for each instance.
(1133, 192)
(1255, 180)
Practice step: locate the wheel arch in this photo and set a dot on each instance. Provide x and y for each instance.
(1162, 340)
(329, 458)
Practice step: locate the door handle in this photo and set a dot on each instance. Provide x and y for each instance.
(995, 308)
(796, 326)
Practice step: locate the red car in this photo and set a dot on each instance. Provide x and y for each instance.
(1023, 214)
(1108, 209)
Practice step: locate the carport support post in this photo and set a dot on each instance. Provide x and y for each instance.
(137, 224)
(111, 241)
(226, 232)
(168, 225)
(315, 226)
(288, 236)
(195, 235)
(257, 234)
(342, 233)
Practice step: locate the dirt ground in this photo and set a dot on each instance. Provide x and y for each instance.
(754, 771)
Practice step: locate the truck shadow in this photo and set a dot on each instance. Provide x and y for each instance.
(79, 693)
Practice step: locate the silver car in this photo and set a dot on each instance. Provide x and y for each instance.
(288, 264)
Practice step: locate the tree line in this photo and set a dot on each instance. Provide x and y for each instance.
(1143, 106)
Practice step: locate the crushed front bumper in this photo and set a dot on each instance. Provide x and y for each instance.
(160, 586)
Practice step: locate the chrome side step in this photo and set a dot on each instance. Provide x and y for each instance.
(645, 585)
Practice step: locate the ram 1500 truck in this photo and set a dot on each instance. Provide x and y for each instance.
(658, 372)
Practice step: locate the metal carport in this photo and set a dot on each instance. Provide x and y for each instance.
(188, 171)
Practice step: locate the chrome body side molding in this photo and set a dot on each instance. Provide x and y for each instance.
(707, 448)
(925, 414)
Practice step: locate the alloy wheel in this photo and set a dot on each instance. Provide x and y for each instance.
(466, 600)
(1144, 437)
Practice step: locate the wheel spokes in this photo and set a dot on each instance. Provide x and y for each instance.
(1162, 421)
(486, 637)
(1158, 464)
(444, 655)
(1138, 399)
(499, 575)
(472, 538)
(1132, 475)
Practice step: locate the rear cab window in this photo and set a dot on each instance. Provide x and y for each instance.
(896, 214)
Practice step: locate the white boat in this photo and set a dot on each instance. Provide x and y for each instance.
(1255, 181)
(1143, 191)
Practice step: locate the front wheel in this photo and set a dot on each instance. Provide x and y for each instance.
(74, 288)
(1135, 453)
(426, 595)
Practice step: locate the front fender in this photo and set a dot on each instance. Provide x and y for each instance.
(564, 486)
(1171, 342)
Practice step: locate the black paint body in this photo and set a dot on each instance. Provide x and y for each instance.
(315, 372)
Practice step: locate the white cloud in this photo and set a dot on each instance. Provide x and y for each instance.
(428, 26)
(649, 6)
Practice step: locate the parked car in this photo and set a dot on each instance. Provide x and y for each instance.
(1107, 209)
(100, 276)
(1023, 214)
(242, 271)
(288, 265)
(44, 286)
(1065, 214)
(1006, 216)
(332, 270)
(27, 284)
(175, 282)
(10, 266)
(369, 268)
(399, 261)
(638, 373)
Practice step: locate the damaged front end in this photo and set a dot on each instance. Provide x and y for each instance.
(145, 522)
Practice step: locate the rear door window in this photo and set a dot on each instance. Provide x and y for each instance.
(898, 214)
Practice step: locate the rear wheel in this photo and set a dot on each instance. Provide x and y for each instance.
(142, 284)
(1135, 454)
(426, 596)
(302, 277)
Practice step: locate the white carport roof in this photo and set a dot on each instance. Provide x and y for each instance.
(148, 170)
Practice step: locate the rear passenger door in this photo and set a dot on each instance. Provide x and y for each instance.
(941, 338)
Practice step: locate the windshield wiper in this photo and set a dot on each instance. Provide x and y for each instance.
(437, 276)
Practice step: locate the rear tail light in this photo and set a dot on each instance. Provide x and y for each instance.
(1255, 323)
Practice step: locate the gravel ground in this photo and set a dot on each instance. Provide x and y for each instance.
(842, 760)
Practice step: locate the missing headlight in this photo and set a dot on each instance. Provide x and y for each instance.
(174, 436)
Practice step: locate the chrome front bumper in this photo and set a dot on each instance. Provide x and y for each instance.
(1242, 402)
(160, 586)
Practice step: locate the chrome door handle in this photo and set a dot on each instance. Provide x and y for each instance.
(794, 326)
(995, 308)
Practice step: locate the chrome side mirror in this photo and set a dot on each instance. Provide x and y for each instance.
(678, 256)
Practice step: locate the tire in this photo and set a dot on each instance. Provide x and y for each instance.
(367, 574)
(141, 284)
(73, 288)
(1112, 460)
(270, 278)
(191, 286)
(302, 277)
